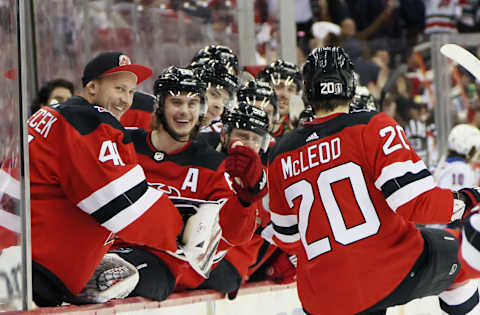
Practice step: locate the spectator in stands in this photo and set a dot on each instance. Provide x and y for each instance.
(442, 16)
(55, 91)
(83, 162)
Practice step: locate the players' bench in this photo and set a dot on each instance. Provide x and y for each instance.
(137, 304)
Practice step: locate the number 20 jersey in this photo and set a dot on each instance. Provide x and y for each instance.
(348, 188)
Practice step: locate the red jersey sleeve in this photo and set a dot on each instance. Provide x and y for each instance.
(236, 220)
(283, 215)
(406, 183)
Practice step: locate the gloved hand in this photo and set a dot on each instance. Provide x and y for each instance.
(471, 197)
(283, 270)
(245, 167)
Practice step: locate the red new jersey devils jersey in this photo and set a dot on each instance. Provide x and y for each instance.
(194, 171)
(86, 186)
(348, 189)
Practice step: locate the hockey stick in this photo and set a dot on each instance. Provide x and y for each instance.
(391, 80)
(463, 57)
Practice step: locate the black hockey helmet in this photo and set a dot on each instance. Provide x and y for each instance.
(281, 69)
(245, 116)
(218, 52)
(254, 90)
(213, 72)
(328, 74)
(363, 101)
(174, 80)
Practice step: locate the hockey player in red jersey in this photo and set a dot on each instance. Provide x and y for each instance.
(86, 185)
(176, 163)
(246, 124)
(350, 189)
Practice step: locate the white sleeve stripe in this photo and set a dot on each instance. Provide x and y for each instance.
(398, 169)
(10, 221)
(134, 211)
(112, 190)
(267, 234)
(470, 253)
(283, 220)
(410, 191)
(9, 185)
(288, 238)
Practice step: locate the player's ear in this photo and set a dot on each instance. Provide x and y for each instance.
(92, 87)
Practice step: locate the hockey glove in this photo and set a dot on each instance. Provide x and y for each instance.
(470, 196)
(283, 270)
(245, 167)
(114, 278)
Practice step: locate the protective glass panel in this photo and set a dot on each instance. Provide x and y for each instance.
(154, 33)
(10, 223)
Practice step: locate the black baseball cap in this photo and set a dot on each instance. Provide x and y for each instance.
(110, 62)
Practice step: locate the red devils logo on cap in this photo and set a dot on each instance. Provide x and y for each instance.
(123, 60)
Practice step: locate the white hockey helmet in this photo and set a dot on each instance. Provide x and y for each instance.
(465, 140)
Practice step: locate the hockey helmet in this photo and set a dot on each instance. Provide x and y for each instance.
(213, 72)
(363, 101)
(253, 91)
(248, 117)
(465, 140)
(173, 81)
(328, 74)
(218, 52)
(281, 69)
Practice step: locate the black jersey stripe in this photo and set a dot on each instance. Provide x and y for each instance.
(118, 204)
(286, 230)
(394, 184)
(462, 308)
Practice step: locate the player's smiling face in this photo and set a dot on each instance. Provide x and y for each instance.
(182, 113)
(115, 92)
(284, 90)
(217, 97)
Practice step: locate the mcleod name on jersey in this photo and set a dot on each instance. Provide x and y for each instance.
(348, 188)
(86, 186)
(194, 171)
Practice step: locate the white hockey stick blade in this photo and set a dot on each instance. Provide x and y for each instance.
(463, 57)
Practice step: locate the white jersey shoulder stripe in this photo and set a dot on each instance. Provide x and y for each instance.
(283, 220)
(112, 190)
(410, 191)
(398, 169)
(134, 211)
(288, 238)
